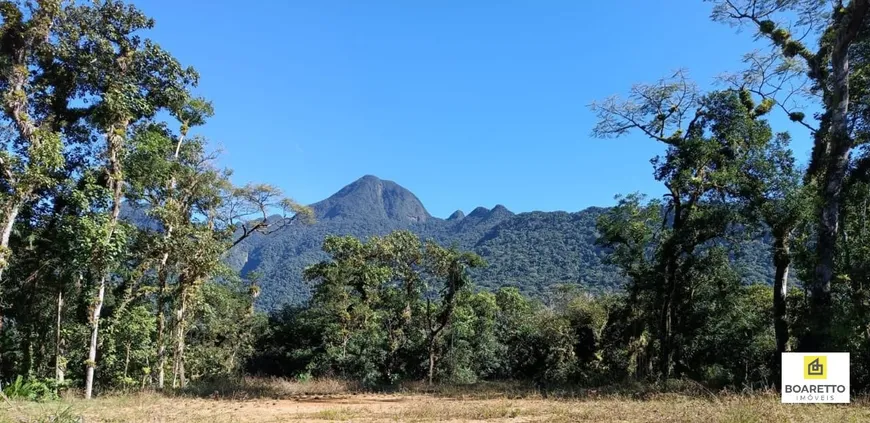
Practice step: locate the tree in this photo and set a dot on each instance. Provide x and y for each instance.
(36, 102)
(167, 203)
(381, 307)
(221, 331)
(839, 27)
(55, 57)
(706, 139)
(451, 265)
(347, 308)
(159, 161)
(138, 80)
(770, 186)
(198, 214)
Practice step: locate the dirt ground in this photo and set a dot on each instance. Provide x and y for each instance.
(427, 408)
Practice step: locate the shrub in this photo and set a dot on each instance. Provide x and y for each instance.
(32, 389)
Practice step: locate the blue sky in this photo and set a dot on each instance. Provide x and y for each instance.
(464, 103)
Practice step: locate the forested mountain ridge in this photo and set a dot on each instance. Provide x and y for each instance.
(530, 251)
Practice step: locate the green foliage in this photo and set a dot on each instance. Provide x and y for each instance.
(128, 346)
(796, 116)
(378, 309)
(85, 94)
(222, 332)
(725, 167)
(31, 389)
(577, 338)
(369, 321)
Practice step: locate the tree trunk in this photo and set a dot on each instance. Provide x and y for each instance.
(8, 223)
(59, 364)
(666, 318)
(175, 358)
(95, 327)
(782, 260)
(665, 340)
(126, 359)
(818, 338)
(231, 363)
(28, 352)
(178, 377)
(161, 346)
(5, 253)
(182, 377)
(162, 275)
(431, 360)
(837, 146)
(114, 145)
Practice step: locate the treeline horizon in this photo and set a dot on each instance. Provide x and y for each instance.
(91, 301)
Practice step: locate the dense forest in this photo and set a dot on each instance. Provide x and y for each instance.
(529, 251)
(129, 260)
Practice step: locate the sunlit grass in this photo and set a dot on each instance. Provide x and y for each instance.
(263, 400)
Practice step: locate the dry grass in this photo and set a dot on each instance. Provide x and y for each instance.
(325, 401)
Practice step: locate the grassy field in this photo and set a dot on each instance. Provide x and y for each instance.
(278, 401)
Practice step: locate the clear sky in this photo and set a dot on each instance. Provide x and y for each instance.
(465, 103)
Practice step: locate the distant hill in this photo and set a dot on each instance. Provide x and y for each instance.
(531, 251)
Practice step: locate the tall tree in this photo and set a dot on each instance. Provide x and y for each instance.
(452, 266)
(137, 79)
(157, 168)
(771, 188)
(838, 26)
(707, 138)
(35, 101)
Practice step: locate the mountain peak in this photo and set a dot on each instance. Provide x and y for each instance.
(479, 212)
(500, 209)
(458, 214)
(499, 212)
(368, 179)
(372, 197)
(484, 213)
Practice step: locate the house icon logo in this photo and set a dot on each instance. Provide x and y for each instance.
(815, 367)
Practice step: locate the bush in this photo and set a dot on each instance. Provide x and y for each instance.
(32, 389)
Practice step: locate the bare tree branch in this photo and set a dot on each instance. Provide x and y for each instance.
(775, 77)
(659, 110)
